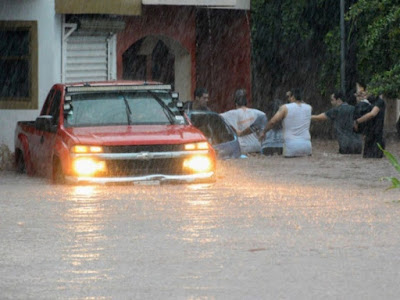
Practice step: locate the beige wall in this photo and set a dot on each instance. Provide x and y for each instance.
(117, 7)
(233, 4)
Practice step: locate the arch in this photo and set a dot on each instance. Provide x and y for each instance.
(160, 58)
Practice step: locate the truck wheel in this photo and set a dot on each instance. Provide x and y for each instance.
(58, 175)
(21, 163)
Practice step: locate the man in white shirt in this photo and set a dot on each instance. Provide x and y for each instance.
(243, 120)
(296, 119)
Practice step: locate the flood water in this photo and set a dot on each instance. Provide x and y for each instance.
(269, 228)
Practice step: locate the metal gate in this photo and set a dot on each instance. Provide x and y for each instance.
(89, 57)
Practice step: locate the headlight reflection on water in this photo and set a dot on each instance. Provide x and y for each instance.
(199, 186)
(84, 191)
(84, 220)
(200, 218)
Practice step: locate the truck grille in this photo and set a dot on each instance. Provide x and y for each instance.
(142, 167)
(172, 166)
(142, 148)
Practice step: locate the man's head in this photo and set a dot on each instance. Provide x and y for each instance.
(337, 98)
(240, 97)
(361, 95)
(294, 95)
(201, 96)
(361, 92)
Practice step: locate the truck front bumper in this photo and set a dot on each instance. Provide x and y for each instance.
(154, 178)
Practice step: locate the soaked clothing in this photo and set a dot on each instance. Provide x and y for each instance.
(363, 107)
(374, 133)
(296, 130)
(243, 118)
(188, 107)
(342, 118)
(273, 142)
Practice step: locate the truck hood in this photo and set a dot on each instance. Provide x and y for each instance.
(135, 135)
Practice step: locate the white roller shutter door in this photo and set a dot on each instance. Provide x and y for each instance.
(89, 57)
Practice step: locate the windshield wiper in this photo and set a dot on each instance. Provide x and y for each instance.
(166, 110)
(128, 110)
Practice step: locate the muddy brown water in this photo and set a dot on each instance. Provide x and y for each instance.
(270, 228)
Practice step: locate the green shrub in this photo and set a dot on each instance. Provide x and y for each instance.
(395, 182)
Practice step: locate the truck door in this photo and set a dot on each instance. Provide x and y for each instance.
(48, 138)
(35, 138)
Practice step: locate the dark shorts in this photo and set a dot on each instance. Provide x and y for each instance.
(272, 150)
(350, 151)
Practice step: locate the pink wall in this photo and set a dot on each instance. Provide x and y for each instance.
(176, 23)
(224, 58)
(222, 61)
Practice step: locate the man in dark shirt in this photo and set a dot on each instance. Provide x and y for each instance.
(374, 132)
(200, 101)
(342, 117)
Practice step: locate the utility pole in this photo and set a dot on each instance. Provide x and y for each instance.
(342, 49)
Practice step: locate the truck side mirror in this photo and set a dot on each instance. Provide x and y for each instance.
(44, 123)
(179, 105)
(176, 103)
(67, 109)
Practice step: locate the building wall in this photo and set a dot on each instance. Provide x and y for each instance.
(176, 23)
(49, 56)
(223, 55)
(218, 41)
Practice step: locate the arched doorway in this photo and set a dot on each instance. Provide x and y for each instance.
(159, 58)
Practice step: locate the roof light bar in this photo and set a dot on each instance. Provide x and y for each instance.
(72, 89)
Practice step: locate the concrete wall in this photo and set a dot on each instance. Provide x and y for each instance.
(49, 56)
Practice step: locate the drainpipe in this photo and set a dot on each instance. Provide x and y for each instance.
(342, 49)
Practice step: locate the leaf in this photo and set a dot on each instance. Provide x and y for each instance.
(391, 158)
(395, 182)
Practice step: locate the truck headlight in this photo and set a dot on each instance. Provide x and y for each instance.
(86, 149)
(197, 146)
(198, 164)
(88, 166)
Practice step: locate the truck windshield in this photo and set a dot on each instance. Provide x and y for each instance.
(118, 108)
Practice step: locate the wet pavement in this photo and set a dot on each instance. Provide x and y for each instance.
(269, 228)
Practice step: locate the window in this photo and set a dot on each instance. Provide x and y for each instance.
(18, 65)
(46, 104)
(55, 108)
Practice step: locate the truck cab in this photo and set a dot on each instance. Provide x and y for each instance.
(123, 131)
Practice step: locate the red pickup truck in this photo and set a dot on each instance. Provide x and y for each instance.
(111, 132)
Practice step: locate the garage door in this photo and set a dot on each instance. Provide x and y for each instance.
(89, 57)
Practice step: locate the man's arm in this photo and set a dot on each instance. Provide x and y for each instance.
(320, 117)
(372, 114)
(279, 116)
(244, 132)
(259, 123)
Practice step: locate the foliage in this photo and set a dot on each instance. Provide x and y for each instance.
(395, 182)
(287, 40)
(387, 82)
(377, 27)
(330, 69)
(289, 36)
